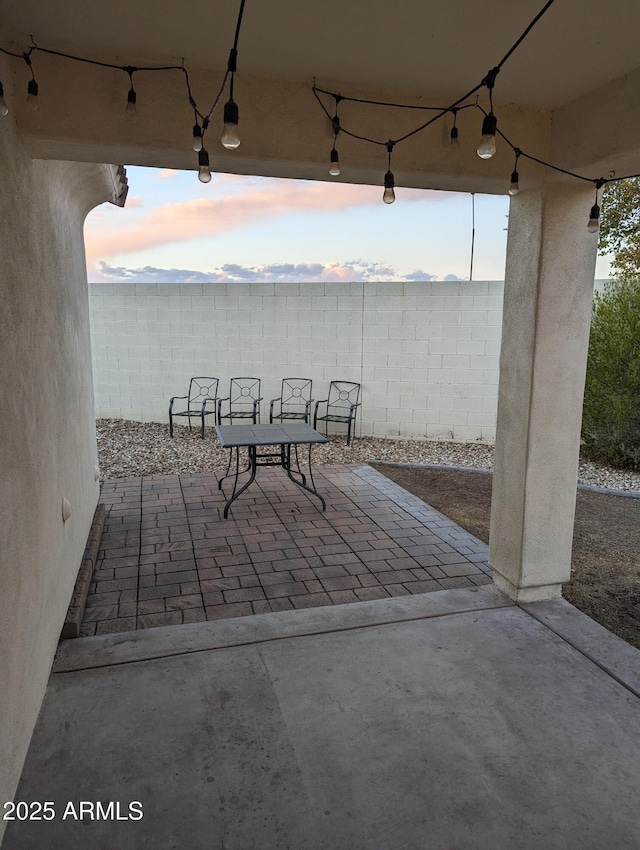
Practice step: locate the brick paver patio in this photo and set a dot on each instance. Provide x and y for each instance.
(167, 557)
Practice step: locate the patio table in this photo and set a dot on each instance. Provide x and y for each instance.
(254, 437)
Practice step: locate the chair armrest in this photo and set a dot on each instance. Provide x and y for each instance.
(206, 402)
(271, 403)
(315, 410)
(176, 398)
(220, 400)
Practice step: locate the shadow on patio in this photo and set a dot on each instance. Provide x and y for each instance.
(449, 719)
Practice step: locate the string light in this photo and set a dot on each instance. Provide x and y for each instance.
(230, 138)
(594, 219)
(32, 86)
(454, 139)
(487, 146)
(594, 216)
(32, 94)
(334, 168)
(490, 130)
(514, 188)
(389, 195)
(204, 171)
(131, 94)
(197, 137)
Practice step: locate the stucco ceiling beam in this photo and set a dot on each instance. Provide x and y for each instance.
(600, 132)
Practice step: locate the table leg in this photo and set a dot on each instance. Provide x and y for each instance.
(303, 483)
(236, 493)
(228, 474)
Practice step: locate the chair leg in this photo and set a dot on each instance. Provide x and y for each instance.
(202, 431)
(352, 421)
(170, 425)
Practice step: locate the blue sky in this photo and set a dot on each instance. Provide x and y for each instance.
(176, 229)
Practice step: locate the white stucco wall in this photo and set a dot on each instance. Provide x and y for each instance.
(47, 450)
(426, 353)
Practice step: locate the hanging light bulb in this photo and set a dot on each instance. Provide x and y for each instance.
(131, 102)
(4, 109)
(487, 146)
(230, 138)
(594, 219)
(204, 172)
(32, 94)
(514, 188)
(334, 170)
(454, 141)
(197, 137)
(389, 195)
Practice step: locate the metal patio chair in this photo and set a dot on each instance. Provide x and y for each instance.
(294, 401)
(341, 406)
(243, 401)
(202, 392)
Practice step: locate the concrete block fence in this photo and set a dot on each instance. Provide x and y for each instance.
(426, 354)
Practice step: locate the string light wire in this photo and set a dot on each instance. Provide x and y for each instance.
(202, 119)
(489, 122)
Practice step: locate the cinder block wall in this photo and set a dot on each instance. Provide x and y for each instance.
(426, 354)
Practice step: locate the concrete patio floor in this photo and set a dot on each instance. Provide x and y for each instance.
(451, 720)
(168, 557)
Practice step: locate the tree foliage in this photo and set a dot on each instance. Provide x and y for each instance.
(611, 412)
(620, 225)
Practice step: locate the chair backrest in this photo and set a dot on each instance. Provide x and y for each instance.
(200, 389)
(243, 392)
(295, 394)
(342, 394)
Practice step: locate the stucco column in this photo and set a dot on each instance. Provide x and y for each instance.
(545, 334)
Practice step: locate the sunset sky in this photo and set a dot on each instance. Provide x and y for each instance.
(176, 229)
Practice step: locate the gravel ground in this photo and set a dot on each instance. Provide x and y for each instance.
(129, 449)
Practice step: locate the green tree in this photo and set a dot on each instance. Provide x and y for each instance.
(611, 412)
(620, 225)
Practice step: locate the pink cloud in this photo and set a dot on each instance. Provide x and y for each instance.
(204, 217)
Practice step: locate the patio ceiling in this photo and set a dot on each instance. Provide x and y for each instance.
(439, 47)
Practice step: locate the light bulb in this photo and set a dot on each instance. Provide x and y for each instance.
(230, 138)
(594, 219)
(4, 109)
(131, 102)
(197, 138)
(455, 141)
(32, 94)
(514, 188)
(487, 146)
(334, 170)
(389, 195)
(204, 172)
